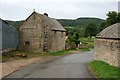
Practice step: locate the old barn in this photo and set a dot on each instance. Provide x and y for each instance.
(107, 45)
(8, 37)
(39, 32)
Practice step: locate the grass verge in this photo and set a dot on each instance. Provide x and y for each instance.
(84, 49)
(103, 70)
(59, 53)
(10, 56)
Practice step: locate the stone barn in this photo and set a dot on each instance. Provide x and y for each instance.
(8, 37)
(39, 32)
(107, 45)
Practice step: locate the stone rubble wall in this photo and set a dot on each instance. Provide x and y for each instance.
(107, 50)
(8, 50)
(58, 40)
(33, 30)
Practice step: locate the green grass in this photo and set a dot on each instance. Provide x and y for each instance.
(84, 49)
(90, 43)
(86, 39)
(10, 56)
(103, 70)
(62, 52)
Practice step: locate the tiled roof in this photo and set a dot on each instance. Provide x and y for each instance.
(112, 31)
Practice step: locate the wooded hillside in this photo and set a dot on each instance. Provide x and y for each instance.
(67, 22)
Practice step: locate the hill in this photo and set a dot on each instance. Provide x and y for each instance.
(67, 22)
(14, 23)
(80, 21)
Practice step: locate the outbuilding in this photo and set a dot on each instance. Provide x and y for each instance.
(107, 45)
(8, 37)
(39, 33)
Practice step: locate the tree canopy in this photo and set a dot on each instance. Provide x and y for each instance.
(112, 18)
(91, 30)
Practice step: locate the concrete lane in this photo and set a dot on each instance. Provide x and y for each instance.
(70, 66)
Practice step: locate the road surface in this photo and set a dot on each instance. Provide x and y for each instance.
(70, 66)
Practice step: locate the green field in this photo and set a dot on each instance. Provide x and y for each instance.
(84, 49)
(88, 41)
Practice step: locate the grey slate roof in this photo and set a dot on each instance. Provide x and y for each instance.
(112, 31)
(55, 25)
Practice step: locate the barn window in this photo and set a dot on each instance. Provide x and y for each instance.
(27, 42)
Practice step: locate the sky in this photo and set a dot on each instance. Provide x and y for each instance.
(59, 9)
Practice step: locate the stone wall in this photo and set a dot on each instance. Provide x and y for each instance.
(8, 50)
(31, 34)
(58, 40)
(107, 50)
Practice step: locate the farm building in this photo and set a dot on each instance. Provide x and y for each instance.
(41, 33)
(8, 37)
(107, 45)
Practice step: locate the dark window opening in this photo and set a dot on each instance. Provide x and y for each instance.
(27, 42)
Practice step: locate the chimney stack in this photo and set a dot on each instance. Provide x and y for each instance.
(45, 14)
(33, 10)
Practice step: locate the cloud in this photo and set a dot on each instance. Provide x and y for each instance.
(21, 9)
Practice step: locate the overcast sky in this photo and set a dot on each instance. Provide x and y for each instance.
(60, 9)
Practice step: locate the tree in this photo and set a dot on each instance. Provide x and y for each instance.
(103, 25)
(74, 35)
(91, 30)
(76, 38)
(70, 39)
(112, 18)
(80, 30)
(118, 17)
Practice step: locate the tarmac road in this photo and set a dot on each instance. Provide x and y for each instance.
(70, 66)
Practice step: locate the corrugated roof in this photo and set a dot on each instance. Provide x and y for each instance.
(55, 25)
(7, 24)
(112, 31)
